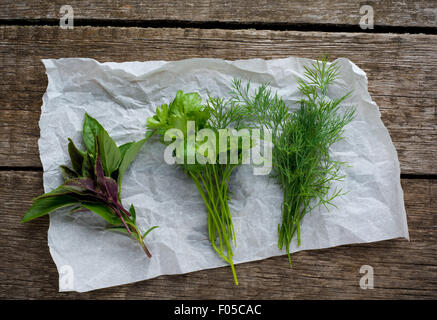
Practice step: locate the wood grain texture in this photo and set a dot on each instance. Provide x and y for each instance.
(402, 13)
(402, 269)
(402, 73)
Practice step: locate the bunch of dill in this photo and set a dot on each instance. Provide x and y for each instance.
(302, 164)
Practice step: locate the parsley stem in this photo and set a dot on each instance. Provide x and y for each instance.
(212, 183)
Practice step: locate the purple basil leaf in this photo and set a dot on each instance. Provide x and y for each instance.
(76, 157)
(111, 189)
(67, 173)
(108, 185)
(102, 181)
(88, 166)
(86, 184)
(99, 168)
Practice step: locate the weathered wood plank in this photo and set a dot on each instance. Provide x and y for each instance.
(402, 269)
(402, 72)
(323, 12)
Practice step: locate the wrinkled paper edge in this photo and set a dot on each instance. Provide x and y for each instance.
(367, 99)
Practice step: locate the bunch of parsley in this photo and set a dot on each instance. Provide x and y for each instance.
(211, 176)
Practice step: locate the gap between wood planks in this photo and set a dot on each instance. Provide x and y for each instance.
(39, 169)
(223, 25)
(404, 269)
(399, 124)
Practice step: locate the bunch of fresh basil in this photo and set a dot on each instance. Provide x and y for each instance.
(94, 181)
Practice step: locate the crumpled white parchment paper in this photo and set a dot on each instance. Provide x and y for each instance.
(122, 95)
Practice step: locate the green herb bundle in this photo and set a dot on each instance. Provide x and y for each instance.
(94, 182)
(302, 164)
(210, 176)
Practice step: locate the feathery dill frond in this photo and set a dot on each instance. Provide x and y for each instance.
(302, 164)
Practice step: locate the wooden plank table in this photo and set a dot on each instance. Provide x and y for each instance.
(399, 56)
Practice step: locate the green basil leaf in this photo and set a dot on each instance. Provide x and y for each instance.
(122, 229)
(91, 128)
(133, 213)
(81, 185)
(67, 173)
(148, 231)
(128, 158)
(66, 189)
(123, 148)
(78, 208)
(56, 192)
(102, 211)
(87, 167)
(76, 157)
(109, 153)
(43, 206)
